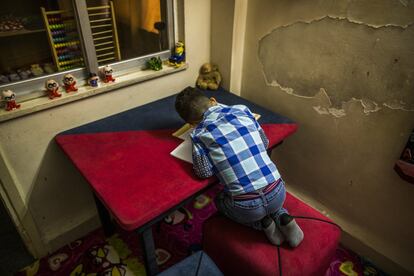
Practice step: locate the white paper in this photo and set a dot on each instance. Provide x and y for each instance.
(185, 150)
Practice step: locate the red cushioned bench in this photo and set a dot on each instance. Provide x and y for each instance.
(240, 250)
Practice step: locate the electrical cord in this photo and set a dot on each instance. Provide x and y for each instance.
(279, 256)
(199, 263)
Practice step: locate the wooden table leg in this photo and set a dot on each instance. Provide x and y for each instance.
(151, 266)
(107, 224)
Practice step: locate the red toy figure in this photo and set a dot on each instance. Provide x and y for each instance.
(69, 81)
(107, 70)
(52, 88)
(9, 97)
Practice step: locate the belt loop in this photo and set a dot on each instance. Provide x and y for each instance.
(232, 201)
(264, 199)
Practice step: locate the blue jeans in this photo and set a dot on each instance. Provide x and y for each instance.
(251, 212)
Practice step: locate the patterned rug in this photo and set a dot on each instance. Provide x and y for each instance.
(178, 236)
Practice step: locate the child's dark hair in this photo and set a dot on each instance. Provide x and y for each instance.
(191, 104)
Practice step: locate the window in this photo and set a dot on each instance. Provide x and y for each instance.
(37, 40)
(141, 28)
(49, 38)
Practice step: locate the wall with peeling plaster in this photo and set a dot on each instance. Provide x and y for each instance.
(344, 71)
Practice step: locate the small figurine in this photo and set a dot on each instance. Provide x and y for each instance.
(69, 81)
(13, 76)
(178, 58)
(24, 73)
(107, 70)
(209, 77)
(155, 63)
(93, 80)
(49, 68)
(10, 99)
(4, 79)
(52, 88)
(36, 70)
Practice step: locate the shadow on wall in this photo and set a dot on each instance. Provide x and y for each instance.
(61, 202)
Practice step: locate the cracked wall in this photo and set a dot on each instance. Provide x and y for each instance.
(343, 70)
(343, 61)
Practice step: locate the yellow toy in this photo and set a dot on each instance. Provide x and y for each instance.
(178, 58)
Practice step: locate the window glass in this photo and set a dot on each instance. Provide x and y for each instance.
(37, 38)
(126, 29)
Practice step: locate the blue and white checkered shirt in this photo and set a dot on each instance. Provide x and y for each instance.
(229, 143)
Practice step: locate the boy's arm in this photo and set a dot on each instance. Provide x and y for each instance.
(201, 165)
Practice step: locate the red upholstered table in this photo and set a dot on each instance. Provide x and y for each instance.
(126, 160)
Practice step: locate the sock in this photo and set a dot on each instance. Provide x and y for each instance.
(285, 219)
(272, 233)
(292, 232)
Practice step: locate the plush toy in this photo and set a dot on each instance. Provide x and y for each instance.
(36, 70)
(52, 88)
(69, 81)
(10, 98)
(155, 63)
(209, 77)
(178, 58)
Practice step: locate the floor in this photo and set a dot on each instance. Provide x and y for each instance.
(176, 237)
(13, 253)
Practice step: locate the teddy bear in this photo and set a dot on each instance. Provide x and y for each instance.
(209, 77)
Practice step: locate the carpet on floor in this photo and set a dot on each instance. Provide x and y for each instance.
(176, 237)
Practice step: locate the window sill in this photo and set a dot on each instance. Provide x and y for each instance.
(86, 91)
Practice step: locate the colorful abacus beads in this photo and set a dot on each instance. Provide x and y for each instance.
(76, 60)
(66, 44)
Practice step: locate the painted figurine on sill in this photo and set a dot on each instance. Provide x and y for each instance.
(52, 88)
(178, 58)
(228, 142)
(93, 80)
(107, 70)
(10, 98)
(69, 81)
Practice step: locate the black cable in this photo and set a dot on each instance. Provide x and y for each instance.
(302, 217)
(199, 262)
(318, 219)
(279, 258)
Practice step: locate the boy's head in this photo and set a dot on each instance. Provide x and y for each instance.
(191, 105)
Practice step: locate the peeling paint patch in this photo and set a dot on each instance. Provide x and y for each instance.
(344, 60)
(404, 3)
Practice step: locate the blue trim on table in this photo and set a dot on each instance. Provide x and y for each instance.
(145, 117)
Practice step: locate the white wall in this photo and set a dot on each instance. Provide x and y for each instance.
(35, 172)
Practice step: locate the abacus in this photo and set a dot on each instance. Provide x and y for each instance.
(63, 39)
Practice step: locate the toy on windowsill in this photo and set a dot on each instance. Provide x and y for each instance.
(49, 68)
(36, 70)
(52, 88)
(69, 81)
(107, 71)
(155, 63)
(13, 76)
(4, 79)
(93, 80)
(10, 98)
(209, 77)
(178, 58)
(24, 73)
